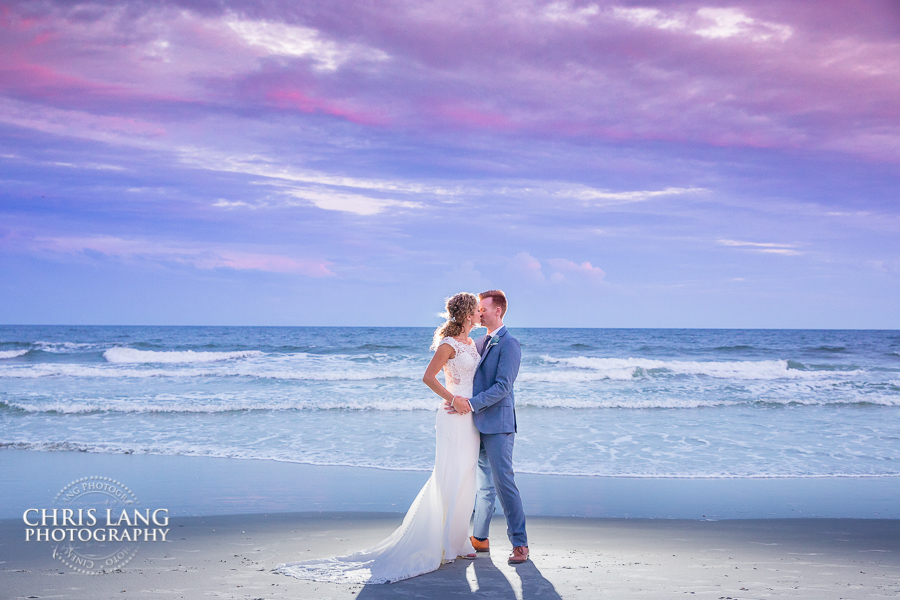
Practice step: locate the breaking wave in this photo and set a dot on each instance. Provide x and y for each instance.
(421, 403)
(130, 355)
(590, 368)
(306, 373)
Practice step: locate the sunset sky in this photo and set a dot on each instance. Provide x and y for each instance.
(607, 164)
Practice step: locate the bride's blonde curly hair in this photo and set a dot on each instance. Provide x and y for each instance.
(457, 309)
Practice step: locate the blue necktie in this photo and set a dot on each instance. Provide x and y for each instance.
(487, 341)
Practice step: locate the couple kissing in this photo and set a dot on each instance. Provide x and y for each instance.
(475, 431)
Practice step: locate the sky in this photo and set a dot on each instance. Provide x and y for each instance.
(607, 164)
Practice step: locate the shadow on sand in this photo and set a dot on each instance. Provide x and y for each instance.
(479, 578)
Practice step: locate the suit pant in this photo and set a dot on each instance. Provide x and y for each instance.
(495, 477)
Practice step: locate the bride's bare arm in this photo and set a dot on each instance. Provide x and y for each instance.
(444, 353)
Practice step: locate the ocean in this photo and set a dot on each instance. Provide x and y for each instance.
(637, 403)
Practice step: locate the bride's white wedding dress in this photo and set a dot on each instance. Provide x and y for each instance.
(435, 530)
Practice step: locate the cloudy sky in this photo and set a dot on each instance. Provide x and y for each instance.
(608, 164)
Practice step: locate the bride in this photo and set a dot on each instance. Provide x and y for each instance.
(435, 530)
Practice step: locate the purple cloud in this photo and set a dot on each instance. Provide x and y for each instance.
(761, 75)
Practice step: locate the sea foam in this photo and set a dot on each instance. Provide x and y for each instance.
(130, 355)
(591, 368)
(237, 403)
(125, 371)
(12, 353)
(66, 347)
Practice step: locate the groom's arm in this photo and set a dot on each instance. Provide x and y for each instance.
(507, 370)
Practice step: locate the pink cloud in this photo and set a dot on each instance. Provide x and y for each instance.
(297, 100)
(198, 256)
(77, 123)
(40, 82)
(584, 269)
(263, 262)
(559, 269)
(467, 115)
(529, 266)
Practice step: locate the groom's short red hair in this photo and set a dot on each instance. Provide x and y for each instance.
(497, 297)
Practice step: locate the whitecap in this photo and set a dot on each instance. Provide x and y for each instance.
(591, 403)
(12, 353)
(623, 368)
(189, 405)
(623, 374)
(121, 355)
(65, 347)
(126, 372)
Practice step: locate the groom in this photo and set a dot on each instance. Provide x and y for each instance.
(494, 414)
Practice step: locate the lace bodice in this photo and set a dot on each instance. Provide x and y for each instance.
(459, 372)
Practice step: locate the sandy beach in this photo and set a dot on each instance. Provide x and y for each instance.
(232, 523)
(233, 557)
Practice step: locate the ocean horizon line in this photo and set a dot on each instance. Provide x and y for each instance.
(510, 326)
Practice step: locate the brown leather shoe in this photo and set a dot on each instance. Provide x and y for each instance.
(519, 555)
(480, 546)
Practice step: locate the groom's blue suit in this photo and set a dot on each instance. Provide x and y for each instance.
(494, 413)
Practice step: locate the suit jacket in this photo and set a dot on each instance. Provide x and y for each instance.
(493, 402)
